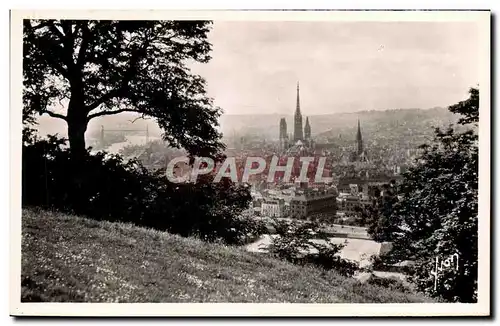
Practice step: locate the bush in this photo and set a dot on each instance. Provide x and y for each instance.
(297, 243)
(105, 187)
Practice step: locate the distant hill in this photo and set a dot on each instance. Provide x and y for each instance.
(345, 124)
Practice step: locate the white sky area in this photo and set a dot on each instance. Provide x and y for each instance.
(341, 66)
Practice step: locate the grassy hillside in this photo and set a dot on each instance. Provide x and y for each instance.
(67, 258)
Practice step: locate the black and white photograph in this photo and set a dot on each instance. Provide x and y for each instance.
(315, 160)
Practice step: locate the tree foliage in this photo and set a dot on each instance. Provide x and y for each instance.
(378, 215)
(469, 108)
(95, 68)
(437, 215)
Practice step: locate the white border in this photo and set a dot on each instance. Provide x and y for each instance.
(206, 309)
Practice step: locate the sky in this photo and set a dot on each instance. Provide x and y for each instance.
(341, 66)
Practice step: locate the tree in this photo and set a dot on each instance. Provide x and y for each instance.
(437, 214)
(469, 109)
(107, 67)
(379, 215)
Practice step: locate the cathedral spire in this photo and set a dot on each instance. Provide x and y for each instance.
(307, 129)
(283, 134)
(359, 139)
(297, 108)
(297, 130)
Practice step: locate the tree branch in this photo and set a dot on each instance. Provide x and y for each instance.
(43, 48)
(127, 77)
(141, 117)
(98, 114)
(67, 41)
(55, 115)
(116, 92)
(106, 97)
(86, 35)
(70, 39)
(42, 25)
(56, 31)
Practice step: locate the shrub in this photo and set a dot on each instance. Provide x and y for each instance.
(298, 243)
(105, 187)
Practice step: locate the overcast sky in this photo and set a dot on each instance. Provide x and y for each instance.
(341, 66)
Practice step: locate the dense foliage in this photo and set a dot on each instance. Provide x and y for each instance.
(305, 243)
(378, 215)
(437, 215)
(109, 188)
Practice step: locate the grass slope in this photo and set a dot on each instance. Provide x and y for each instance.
(67, 258)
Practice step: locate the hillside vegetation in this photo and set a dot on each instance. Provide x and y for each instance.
(68, 258)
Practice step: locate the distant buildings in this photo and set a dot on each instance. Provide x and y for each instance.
(299, 201)
(355, 175)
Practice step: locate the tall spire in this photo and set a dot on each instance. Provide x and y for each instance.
(297, 108)
(297, 130)
(282, 128)
(307, 129)
(359, 139)
(283, 134)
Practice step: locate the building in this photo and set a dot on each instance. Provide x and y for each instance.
(300, 141)
(365, 200)
(307, 130)
(283, 135)
(359, 140)
(348, 203)
(297, 130)
(271, 207)
(313, 203)
(360, 154)
(346, 184)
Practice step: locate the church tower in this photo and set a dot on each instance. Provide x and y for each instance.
(359, 140)
(297, 131)
(283, 134)
(307, 130)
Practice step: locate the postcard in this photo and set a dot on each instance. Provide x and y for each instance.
(250, 163)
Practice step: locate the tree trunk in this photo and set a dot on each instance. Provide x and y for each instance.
(77, 125)
(76, 135)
